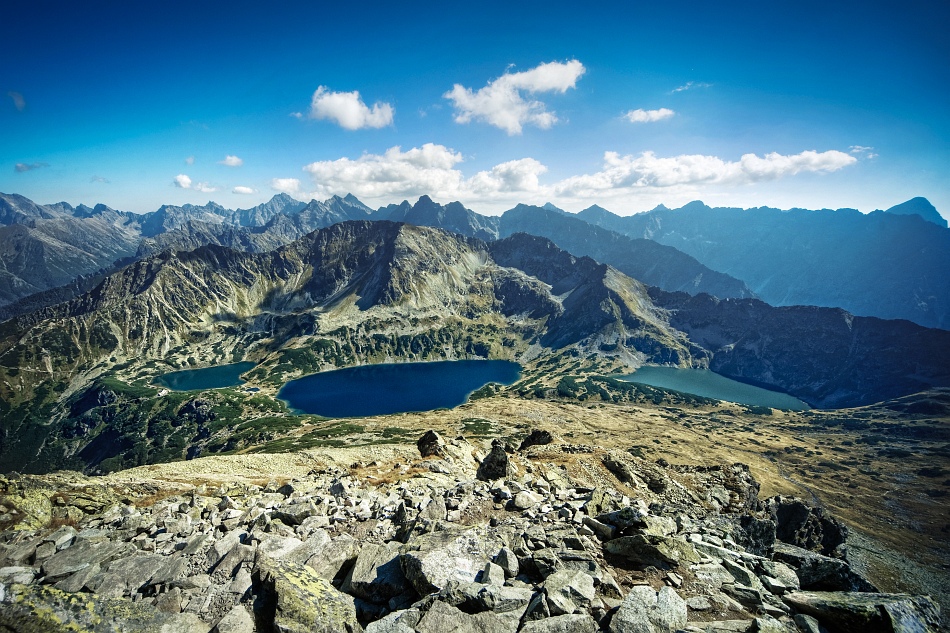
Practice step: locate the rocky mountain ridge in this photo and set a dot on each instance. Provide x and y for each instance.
(453, 537)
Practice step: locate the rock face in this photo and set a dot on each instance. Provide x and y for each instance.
(662, 556)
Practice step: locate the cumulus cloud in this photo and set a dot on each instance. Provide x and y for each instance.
(183, 181)
(231, 161)
(243, 190)
(347, 110)
(436, 170)
(290, 186)
(22, 167)
(648, 116)
(650, 171)
(502, 101)
(18, 101)
(689, 85)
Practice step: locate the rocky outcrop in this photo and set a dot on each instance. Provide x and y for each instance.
(442, 551)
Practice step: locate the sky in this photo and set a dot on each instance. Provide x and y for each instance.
(622, 104)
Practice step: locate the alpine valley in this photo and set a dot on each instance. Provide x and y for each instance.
(579, 477)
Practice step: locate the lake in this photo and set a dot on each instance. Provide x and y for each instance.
(708, 384)
(394, 388)
(205, 378)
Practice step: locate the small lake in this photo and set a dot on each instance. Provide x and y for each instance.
(394, 388)
(205, 378)
(708, 384)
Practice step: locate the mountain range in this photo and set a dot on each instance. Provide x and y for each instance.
(890, 264)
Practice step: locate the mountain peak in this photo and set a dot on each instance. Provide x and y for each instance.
(919, 206)
(695, 205)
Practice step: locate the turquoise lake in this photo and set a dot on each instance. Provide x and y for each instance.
(394, 388)
(205, 378)
(708, 384)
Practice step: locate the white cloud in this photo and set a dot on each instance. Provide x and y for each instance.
(231, 161)
(649, 171)
(290, 186)
(502, 104)
(243, 190)
(689, 85)
(99, 179)
(183, 181)
(347, 110)
(190, 160)
(435, 170)
(860, 149)
(648, 116)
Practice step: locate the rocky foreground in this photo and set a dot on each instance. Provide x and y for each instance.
(451, 539)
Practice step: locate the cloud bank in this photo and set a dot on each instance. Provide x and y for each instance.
(435, 170)
(502, 101)
(347, 110)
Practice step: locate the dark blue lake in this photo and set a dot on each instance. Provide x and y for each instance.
(708, 384)
(394, 388)
(205, 378)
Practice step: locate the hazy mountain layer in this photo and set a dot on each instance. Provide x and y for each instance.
(880, 264)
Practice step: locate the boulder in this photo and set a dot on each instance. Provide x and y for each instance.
(568, 591)
(302, 600)
(868, 612)
(403, 621)
(806, 526)
(653, 550)
(431, 560)
(821, 573)
(575, 623)
(377, 575)
(537, 437)
(647, 611)
(431, 444)
(329, 557)
(32, 609)
(495, 464)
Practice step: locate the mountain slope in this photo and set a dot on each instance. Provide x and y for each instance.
(879, 264)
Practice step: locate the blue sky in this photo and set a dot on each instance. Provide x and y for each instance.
(783, 104)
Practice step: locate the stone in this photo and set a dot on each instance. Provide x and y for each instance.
(403, 621)
(821, 573)
(495, 464)
(602, 531)
(377, 574)
(33, 609)
(575, 623)
(327, 559)
(19, 574)
(867, 612)
(808, 624)
(431, 560)
(805, 526)
(442, 617)
(431, 444)
(82, 555)
(653, 550)
(278, 547)
(525, 500)
(647, 611)
(537, 437)
(492, 574)
(568, 591)
(237, 620)
(698, 603)
(508, 561)
(303, 601)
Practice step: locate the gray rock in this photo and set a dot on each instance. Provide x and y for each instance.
(653, 550)
(305, 602)
(821, 573)
(377, 574)
(32, 609)
(403, 621)
(442, 617)
(457, 554)
(329, 558)
(237, 620)
(492, 574)
(568, 591)
(431, 443)
(508, 561)
(525, 500)
(278, 547)
(576, 623)
(647, 611)
(808, 624)
(82, 555)
(868, 612)
(602, 531)
(19, 574)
